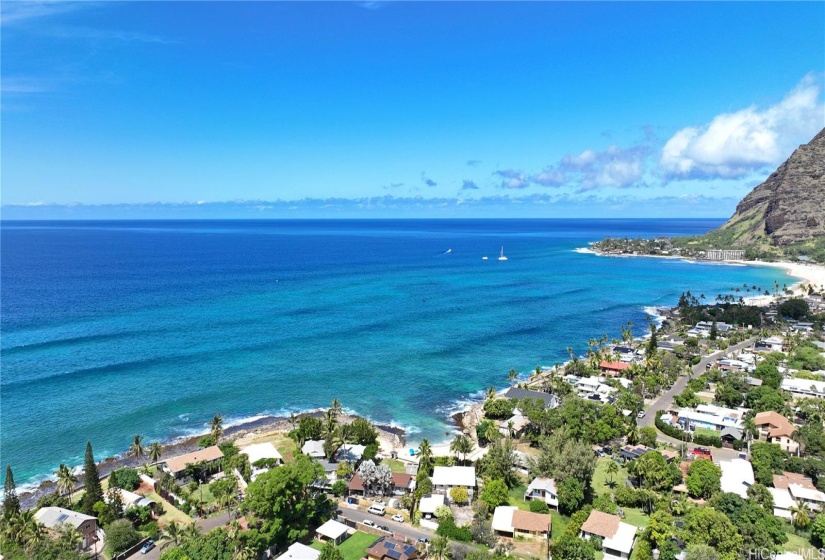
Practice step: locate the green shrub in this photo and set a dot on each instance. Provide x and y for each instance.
(125, 478)
(538, 506)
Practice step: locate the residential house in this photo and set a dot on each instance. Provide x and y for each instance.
(543, 489)
(775, 428)
(350, 452)
(729, 435)
(737, 476)
(613, 369)
(429, 503)
(801, 388)
(332, 532)
(314, 448)
(811, 496)
(514, 425)
(386, 548)
(54, 517)
(402, 483)
(633, 452)
(445, 479)
(210, 456)
(782, 503)
(712, 417)
(265, 453)
(298, 551)
(617, 537)
(787, 478)
(512, 522)
(130, 499)
(770, 344)
(550, 401)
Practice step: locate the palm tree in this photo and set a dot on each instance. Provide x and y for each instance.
(512, 376)
(440, 548)
(336, 408)
(800, 515)
(425, 456)
(155, 451)
(749, 430)
(174, 532)
(345, 433)
(491, 433)
(190, 532)
(801, 440)
(612, 470)
(137, 450)
(461, 445)
(216, 427)
(490, 394)
(66, 481)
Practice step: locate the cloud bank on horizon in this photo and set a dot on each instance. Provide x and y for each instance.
(126, 121)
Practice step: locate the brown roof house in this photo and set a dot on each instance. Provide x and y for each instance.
(613, 369)
(775, 428)
(617, 537)
(511, 522)
(386, 548)
(211, 456)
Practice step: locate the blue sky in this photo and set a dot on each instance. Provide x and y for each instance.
(308, 109)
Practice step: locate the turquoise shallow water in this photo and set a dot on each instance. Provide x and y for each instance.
(116, 328)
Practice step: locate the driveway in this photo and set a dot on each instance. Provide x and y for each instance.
(206, 525)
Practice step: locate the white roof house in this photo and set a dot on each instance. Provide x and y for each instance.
(782, 502)
(454, 476)
(804, 387)
(333, 531)
(503, 519)
(258, 451)
(350, 452)
(52, 517)
(622, 540)
(617, 536)
(130, 499)
(814, 498)
(543, 489)
(715, 417)
(737, 476)
(428, 504)
(298, 551)
(313, 448)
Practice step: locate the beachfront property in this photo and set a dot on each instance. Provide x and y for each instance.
(314, 448)
(591, 387)
(550, 401)
(402, 483)
(351, 453)
(702, 329)
(265, 453)
(176, 466)
(54, 517)
(511, 522)
(298, 551)
(711, 417)
(775, 428)
(332, 532)
(543, 489)
(429, 503)
(725, 254)
(737, 476)
(130, 499)
(613, 369)
(515, 425)
(386, 548)
(445, 479)
(801, 388)
(617, 537)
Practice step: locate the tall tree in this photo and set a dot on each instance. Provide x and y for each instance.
(91, 481)
(155, 451)
(66, 481)
(425, 456)
(216, 427)
(11, 503)
(137, 450)
(461, 445)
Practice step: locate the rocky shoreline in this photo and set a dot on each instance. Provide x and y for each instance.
(388, 435)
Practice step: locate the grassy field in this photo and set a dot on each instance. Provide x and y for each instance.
(798, 543)
(705, 432)
(601, 478)
(353, 548)
(283, 443)
(170, 513)
(559, 523)
(516, 497)
(635, 516)
(395, 465)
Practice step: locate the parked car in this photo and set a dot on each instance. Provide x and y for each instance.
(384, 528)
(379, 502)
(147, 546)
(641, 414)
(398, 518)
(369, 523)
(377, 510)
(424, 540)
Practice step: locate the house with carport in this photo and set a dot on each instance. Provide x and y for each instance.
(512, 522)
(445, 479)
(617, 536)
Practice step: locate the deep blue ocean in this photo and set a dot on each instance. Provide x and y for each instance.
(115, 328)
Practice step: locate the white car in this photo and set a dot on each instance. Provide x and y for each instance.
(369, 523)
(398, 518)
(641, 414)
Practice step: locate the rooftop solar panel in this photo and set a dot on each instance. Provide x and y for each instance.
(409, 550)
(389, 545)
(394, 554)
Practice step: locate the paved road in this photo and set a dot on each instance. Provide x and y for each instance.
(206, 525)
(665, 400)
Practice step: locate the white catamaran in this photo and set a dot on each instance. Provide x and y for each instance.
(501, 256)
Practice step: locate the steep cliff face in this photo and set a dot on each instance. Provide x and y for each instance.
(789, 207)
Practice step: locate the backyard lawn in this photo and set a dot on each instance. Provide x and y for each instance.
(353, 548)
(516, 497)
(395, 465)
(601, 478)
(799, 544)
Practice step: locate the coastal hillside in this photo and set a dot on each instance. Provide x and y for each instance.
(787, 209)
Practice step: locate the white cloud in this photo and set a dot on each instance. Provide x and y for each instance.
(614, 167)
(512, 179)
(736, 144)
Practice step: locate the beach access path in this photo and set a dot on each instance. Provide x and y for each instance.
(665, 400)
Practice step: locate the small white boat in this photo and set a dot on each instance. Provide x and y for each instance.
(449, 250)
(484, 258)
(501, 257)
